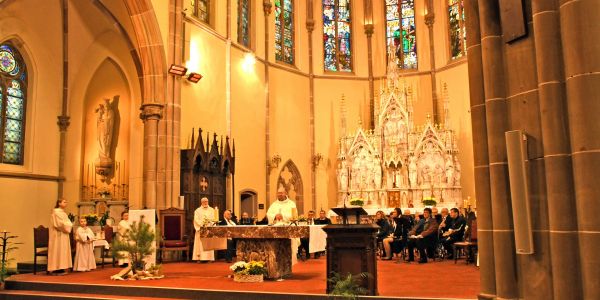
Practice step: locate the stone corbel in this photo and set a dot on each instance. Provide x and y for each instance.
(151, 111)
(267, 7)
(63, 123)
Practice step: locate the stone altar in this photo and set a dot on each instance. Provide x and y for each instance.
(270, 244)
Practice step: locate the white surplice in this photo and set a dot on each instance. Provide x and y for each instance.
(122, 228)
(84, 257)
(284, 208)
(202, 216)
(59, 244)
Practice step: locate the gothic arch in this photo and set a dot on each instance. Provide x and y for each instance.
(290, 178)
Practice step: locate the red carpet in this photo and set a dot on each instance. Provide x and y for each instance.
(431, 280)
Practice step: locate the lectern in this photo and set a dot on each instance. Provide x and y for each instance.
(351, 248)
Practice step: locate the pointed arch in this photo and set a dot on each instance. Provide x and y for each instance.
(290, 179)
(13, 104)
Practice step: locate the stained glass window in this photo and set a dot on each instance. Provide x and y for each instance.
(284, 31)
(13, 82)
(244, 22)
(337, 35)
(201, 10)
(456, 24)
(401, 35)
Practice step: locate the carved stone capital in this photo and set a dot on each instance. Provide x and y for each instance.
(63, 123)
(267, 7)
(369, 29)
(310, 25)
(429, 19)
(151, 111)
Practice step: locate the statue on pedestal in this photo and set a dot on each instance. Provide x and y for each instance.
(105, 125)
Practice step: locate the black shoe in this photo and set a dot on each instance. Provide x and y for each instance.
(422, 261)
(409, 260)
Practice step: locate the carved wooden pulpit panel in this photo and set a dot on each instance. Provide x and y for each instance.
(204, 173)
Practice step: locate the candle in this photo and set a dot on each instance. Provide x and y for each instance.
(87, 178)
(118, 173)
(216, 216)
(125, 175)
(294, 213)
(181, 202)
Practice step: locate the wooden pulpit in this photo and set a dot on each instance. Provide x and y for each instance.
(352, 249)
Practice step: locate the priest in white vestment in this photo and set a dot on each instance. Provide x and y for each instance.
(284, 206)
(59, 243)
(203, 216)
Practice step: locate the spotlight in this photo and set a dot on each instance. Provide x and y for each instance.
(177, 70)
(194, 77)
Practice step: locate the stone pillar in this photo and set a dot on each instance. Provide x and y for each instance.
(369, 29)
(267, 7)
(562, 218)
(429, 21)
(494, 82)
(581, 55)
(480, 152)
(310, 26)
(150, 115)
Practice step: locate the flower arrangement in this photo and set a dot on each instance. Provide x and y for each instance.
(104, 219)
(252, 271)
(249, 268)
(357, 201)
(91, 219)
(302, 218)
(429, 201)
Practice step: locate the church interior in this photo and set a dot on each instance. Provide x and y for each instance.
(286, 112)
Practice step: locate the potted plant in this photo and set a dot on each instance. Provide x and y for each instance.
(136, 245)
(91, 219)
(349, 286)
(429, 201)
(252, 271)
(357, 201)
(6, 247)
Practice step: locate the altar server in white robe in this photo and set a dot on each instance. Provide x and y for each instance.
(84, 257)
(122, 229)
(203, 216)
(59, 243)
(284, 206)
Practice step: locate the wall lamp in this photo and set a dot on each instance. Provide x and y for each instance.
(316, 160)
(181, 71)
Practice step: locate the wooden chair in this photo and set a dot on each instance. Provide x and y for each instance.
(469, 244)
(108, 236)
(172, 228)
(41, 235)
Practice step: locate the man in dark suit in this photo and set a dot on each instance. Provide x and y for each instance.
(422, 236)
(231, 243)
(304, 242)
(246, 220)
(323, 219)
(455, 233)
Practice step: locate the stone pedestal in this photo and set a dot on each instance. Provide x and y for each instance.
(276, 253)
(352, 249)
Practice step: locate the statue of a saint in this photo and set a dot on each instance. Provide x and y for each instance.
(412, 171)
(105, 124)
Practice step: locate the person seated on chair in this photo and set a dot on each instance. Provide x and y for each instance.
(408, 216)
(455, 233)
(279, 221)
(231, 243)
(397, 233)
(246, 220)
(446, 221)
(310, 220)
(323, 219)
(436, 215)
(422, 236)
(384, 226)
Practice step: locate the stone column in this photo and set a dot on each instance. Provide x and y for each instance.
(494, 82)
(150, 115)
(369, 29)
(429, 21)
(581, 55)
(267, 7)
(310, 26)
(480, 152)
(562, 218)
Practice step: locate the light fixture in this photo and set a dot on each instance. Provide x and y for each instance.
(316, 160)
(177, 70)
(194, 77)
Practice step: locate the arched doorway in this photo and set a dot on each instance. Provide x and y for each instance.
(248, 203)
